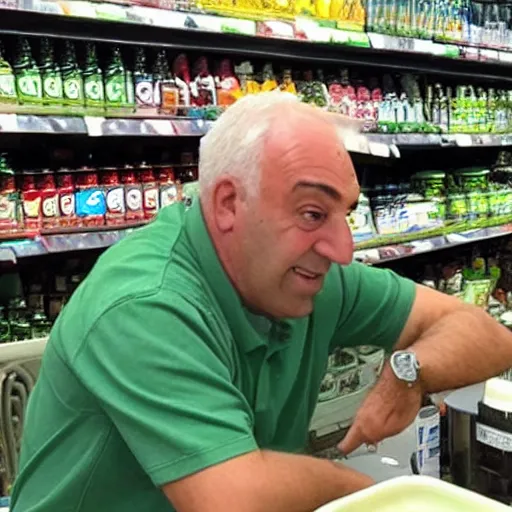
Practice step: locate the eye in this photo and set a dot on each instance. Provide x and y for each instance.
(313, 218)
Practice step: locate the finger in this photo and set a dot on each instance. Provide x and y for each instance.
(353, 440)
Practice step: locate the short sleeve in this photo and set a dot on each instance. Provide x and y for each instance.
(375, 308)
(164, 379)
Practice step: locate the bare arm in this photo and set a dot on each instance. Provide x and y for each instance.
(265, 481)
(455, 343)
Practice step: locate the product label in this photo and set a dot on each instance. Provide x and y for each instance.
(168, 195)
(7, 208)
(67, 204)
(90, 202)
(151, 198)
(30, 85)
(72, 88)
(50, 206)
(494, 438)
(115, 200)
(115, 89)
(144, 92)
(134, 199)
(31, 205)
(52, 86)
(94, 88)
(7, 86)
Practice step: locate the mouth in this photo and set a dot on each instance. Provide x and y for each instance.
(306, 274)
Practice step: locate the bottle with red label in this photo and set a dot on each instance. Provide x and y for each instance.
(31, 202)
(9, 198)
(66, 193)
(114, 195)
(132, 195)
(89, 199)
(150, 201)
(49, 200)
(169, 188)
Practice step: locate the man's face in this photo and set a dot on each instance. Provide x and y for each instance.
(287, 237)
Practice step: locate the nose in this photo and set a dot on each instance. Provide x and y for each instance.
(336, 243)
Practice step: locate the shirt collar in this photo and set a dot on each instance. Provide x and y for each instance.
(250, 331)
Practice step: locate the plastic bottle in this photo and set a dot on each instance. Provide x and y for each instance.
(89, 199)
(31, 201)
(73, 81)
(28, 77)
(53, 93)
(7, 81)
(94, 89)
(66, 192)
(116, 92)
(133, 195)
(144, 86)
(49, 200)
(114, 193)
(168, 192)
(9, 198)
(150, 191)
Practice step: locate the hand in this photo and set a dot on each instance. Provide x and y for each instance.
(390, 407)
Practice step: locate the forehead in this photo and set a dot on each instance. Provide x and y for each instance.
(307, 147)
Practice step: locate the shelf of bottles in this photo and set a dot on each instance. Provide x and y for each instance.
(464, 29)
(50, 86)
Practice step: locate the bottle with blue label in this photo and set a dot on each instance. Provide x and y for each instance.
(73, 82)
(90, 203)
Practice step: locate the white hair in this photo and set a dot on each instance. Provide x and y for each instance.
(234, 144)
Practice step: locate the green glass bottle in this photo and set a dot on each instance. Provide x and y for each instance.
(73, 82)
(115, 81)
(53, 93)
(93, 80)
(5, 330)
(41, 326)
(18, 320)
(28, 77)
(7, 80)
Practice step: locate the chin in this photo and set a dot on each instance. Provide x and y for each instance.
(298, 310)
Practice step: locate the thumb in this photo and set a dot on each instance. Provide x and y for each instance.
(353, 440)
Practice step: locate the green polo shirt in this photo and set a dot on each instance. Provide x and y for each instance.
(155, 370)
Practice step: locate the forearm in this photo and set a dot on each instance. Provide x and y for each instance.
(307, 482)
(265, 481)
(464, 347)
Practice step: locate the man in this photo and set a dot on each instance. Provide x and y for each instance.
(183, 373)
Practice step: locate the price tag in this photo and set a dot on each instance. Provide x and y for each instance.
(94, 125)
(494, 437)
(470, 53)
(506, 140)
(404, 44)
(6, 254)
(380, 149)
(424, 46)
(505, 56)
(489, 54)
(377, 41)
(8, 123)
(463, 140)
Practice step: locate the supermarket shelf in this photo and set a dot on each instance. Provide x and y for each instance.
(299, 39)
(395, 251)
(50, 243)
(373, 251)
(101, 126)
(385, 145)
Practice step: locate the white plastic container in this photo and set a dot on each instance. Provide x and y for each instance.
(414, 494)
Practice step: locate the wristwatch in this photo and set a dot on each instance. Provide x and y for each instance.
(405, 366)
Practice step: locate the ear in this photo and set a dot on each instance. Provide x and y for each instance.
(224, 204)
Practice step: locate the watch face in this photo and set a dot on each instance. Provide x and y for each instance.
(405, 366)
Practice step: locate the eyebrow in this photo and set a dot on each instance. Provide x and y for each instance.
(322, 187)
